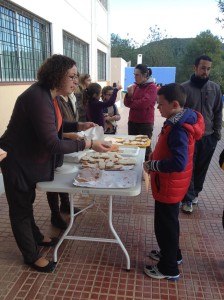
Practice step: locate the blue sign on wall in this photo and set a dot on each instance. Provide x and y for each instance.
(163, 75)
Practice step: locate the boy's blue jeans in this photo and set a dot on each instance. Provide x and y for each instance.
(167, 232)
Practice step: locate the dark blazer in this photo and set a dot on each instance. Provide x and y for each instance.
(32, 141)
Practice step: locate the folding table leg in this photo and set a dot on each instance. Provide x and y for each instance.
(115, 233)
(67, 230)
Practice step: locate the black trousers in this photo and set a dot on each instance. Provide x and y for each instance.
(53, 201)
(25, 230)
(141, 128)
(203, 153)
(167, 233)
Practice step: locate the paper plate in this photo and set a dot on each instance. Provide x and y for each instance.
(129, 151)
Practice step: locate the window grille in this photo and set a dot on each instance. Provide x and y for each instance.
(77, 50)
(24, 43)
(101, 64)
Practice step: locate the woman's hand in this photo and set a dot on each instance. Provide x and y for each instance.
(130, 90)
(86, 125)
(98, 146)
(3, 154)
(107, 118)
(119, 87)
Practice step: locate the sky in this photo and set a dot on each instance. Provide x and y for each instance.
(176, 18)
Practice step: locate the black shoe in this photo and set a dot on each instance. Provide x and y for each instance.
(66, 209)
(58, 222)
(47, 269)
(52, 243)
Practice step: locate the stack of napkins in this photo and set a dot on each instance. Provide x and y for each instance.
(93, 133)
(74, 157)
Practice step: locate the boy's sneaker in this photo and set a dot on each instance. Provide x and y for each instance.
(156, 255)
(153, 272)
(187, 208)
(195, 201)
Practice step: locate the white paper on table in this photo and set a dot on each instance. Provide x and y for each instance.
(93, 133)
(112, 180)
(66, 169)
(128, 151)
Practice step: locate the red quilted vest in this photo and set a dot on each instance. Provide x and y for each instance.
(172, 187)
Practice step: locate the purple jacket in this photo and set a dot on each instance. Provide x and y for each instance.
(95, 108)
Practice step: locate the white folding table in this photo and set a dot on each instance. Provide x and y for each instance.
(64, 183)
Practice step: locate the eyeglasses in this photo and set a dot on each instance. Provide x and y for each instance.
(73, 77)
(137, 75)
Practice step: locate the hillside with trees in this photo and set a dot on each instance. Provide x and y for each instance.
(158, 50)
(174, 52)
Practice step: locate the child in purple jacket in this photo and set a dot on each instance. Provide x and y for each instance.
(95, 107)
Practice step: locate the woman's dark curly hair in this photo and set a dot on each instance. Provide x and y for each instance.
(52, 72)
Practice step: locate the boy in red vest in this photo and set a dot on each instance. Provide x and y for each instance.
(170, 167)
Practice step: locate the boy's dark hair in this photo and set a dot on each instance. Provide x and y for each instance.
(173, 92)
(93, 88)
(202, 57)
(144, 69)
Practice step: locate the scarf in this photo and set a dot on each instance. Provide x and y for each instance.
(58, 113)
(198, 82)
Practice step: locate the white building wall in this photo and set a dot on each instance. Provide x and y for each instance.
(118, 66)
(84, 19)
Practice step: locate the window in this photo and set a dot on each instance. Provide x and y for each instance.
(77, 50)
(101, 64)
(24, 44)
(104, 3)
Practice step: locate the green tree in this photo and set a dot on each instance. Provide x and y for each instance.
(204, 43)
(155, 35)
(128, 49)
(164, 53)
(124, 48)
(220, 19)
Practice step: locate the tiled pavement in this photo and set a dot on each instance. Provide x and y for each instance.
(91, 270)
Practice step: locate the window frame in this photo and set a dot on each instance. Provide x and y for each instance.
(78, 50)
(101, 65)
(25, 42)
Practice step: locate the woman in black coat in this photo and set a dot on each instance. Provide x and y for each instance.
(34, 145)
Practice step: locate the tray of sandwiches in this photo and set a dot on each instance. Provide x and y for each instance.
(141, 141)
(96, 178)
(110, 161)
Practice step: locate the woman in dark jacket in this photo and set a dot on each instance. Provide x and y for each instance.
(34, 146)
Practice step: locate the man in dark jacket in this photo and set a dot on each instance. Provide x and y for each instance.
(204, 96)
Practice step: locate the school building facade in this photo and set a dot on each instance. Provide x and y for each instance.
(31, 31)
